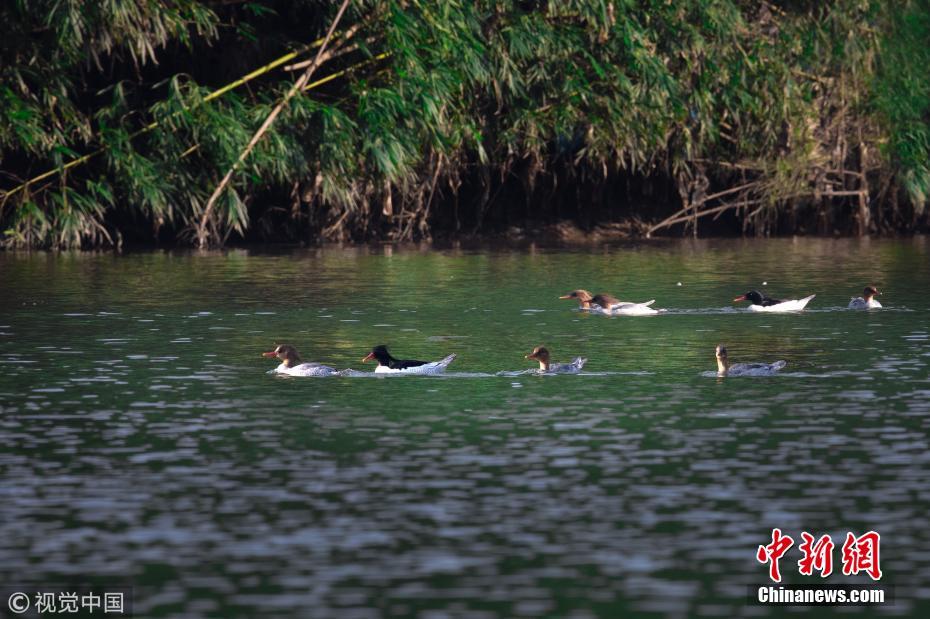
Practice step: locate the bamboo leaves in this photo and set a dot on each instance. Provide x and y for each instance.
(798, 105)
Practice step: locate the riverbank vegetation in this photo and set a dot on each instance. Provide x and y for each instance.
(118, 120)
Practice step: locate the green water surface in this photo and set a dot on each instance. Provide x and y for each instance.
(144, 442)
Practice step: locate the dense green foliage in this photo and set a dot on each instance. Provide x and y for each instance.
(791, 116)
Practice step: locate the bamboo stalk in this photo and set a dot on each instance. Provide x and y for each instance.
(299, 85)
(342, 52)
(729, 164)
(688, 218)
(339, 74)
(850, 192)
(720, 194)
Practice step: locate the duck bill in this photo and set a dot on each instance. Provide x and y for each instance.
(742, 297)
(566, 296)
(530, 356)
(368, 357)
(270, 353)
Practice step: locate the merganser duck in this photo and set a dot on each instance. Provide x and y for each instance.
(541, 354)
(867, 300)
(586, 299)
(743, 369)
(761, 303)
(291, 365)
(388, 364)
(607, 304)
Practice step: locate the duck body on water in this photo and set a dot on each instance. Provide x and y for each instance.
(602, 303)
(725, 368)
(759, 302)
(867, 300)
(541, 354)
(389, 365)
(291, 364)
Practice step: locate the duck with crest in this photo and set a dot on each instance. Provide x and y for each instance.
(387, 364)
(867, 300)
(607, 304)
(541, 354)
(725, 368)
(292, 365)
(759, 302)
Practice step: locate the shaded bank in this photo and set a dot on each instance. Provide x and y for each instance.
(458, 118)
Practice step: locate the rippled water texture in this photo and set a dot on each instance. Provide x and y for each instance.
(144, 442)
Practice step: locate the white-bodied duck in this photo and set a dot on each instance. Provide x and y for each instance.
(606, 304)
(389, 365)
(292, 366)
(761, 303)
(724, 368)
(867, 300)
(541, 354)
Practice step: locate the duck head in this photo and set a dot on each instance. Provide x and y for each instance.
(868, 292)
(287, 354)
(753, 296)
(582, 296)
(723, 362)
(379, 353)
(540, 354)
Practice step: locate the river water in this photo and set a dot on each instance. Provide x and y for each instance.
(145, 444)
